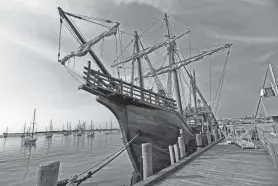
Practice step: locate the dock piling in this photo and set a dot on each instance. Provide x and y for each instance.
(48, 174)
(147, 160)
(171, 152)
(176, 150)
(214, 132)
(181, 147)
(208, 137)
(199, 141)
(219, 133)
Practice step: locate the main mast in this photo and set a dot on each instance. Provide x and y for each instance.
(83, 41)
(34, 122)
(171, 51)
(137, 49)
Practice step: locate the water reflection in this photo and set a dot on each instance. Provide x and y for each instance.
(20, 162)
(29, 148)
(48, 142)
(4, 143)
(90, 143)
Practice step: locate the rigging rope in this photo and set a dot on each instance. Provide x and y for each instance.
(120, 38)
(158, 148)
(224, 71)
(220, 81)
(119, 151)
(151, 26)
(121, 55)
(72, 75)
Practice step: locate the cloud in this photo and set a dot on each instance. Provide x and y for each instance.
(249, 40)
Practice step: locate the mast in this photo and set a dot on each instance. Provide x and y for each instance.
(50, 126)
(171, 51)
(194, 96)
(34, 122)
(156, 79)
(274, 80)
(111, 126)
(91, 126)
(83, 41)
(24, 127)
(137, 49)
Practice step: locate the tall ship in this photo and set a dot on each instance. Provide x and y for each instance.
(150, 107)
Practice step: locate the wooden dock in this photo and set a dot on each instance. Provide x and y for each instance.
(223, 164)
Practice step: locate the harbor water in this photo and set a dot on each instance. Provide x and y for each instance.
(18, 163)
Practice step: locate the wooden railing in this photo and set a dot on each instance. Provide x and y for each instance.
(107, 84)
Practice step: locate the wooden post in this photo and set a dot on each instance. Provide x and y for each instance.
(181, 132)
(48, 174)
(177, 156)
(89, 72)
(171, 152)
(219, 133)
(186, 141)
(214, 132)
(147, 160)
(209, 137)
(181, 146)
(199, 141)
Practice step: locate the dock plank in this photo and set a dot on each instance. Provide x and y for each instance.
(226, 165)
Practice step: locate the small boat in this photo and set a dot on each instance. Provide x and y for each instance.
(67, 132)
(23, 134)
(31, 140)
(5, 135)
(92, 134)
(49, 134)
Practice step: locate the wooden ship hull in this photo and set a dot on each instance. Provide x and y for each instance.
(156, 121)
(154, 125)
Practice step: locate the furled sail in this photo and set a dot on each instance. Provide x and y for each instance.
(84, 49)
(185, 62)
(149, 50)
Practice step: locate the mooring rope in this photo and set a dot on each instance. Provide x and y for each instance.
(90, 173)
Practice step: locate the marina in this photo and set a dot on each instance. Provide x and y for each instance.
(19, 163)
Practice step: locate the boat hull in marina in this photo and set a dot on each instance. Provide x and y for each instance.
(155, 125)
(30, 141)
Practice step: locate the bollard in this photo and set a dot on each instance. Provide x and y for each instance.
(219, 133)
(186, 143)
(147, 160)
(171, 152)
(181, 147)
(48, 174)
(226, 134)
(209, 137)
(176, 150)
(199, 141)
(214, 132)
(181, 132)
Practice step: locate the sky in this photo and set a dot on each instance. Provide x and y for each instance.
(31, 77)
